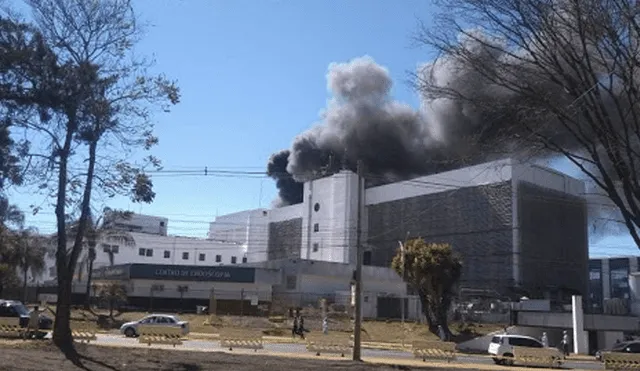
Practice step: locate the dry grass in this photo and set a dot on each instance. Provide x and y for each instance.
(373, 331)
(44, 356)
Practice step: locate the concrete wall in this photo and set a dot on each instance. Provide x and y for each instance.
(591, 321)
(329, 218)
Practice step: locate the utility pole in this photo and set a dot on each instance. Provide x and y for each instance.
(358, 284)
(404, 266)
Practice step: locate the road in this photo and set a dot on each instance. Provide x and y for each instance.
(204, 345)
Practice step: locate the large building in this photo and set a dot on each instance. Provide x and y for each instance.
(521, 229)
(610, 278)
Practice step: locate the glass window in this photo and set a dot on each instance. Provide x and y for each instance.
(167, 254)
(149, 252)
(218, 258)
(316, 227)
(244, 259)
(316, 247)
(201, 257)
(619, 276)
(141, 251)
(234, 260)
(185, 256)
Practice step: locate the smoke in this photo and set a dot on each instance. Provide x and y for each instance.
(393, 140)
(290, 191)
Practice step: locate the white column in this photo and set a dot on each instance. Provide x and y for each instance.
(580, 344)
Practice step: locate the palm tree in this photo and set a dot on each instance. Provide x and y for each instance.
(10, 215)
(31, 250)
(113, 293)
(102, 232)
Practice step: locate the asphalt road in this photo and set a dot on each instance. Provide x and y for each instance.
(203, 345)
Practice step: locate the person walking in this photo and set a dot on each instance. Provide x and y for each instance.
(301, 329)
(294, 330)
(33, 326)
(565, 343)
(545, 340)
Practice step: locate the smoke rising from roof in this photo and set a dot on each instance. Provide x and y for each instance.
(393, 140)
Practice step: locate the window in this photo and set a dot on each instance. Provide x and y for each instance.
(167, 254)
(185, 256)
(316, 207)
(234, 260)
(149, 252)
(316, 247)
(291, 282)
(162, 224)
(115, 249)
(366, 258)
(218, 258)
(316, 227)
(106, 248)
(244, 259)
(142, 251)
(201, 257)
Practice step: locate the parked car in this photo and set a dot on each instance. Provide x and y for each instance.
(623, 347)
(13, 309)
(130, 329)
(501, 347)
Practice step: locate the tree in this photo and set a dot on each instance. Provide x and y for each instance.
(31, 251)
(560, 78)
(99, 106)
(113, 293)
(104, 234)
(433, 270)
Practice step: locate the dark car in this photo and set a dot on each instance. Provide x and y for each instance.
(624, 347)
(12, 308)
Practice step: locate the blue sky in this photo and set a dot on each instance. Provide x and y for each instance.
(252, 75)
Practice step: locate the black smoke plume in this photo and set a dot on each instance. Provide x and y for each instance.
(393, 140)
(290, 191)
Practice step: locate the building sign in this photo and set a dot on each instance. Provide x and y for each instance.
(117, 272)
(192, 273)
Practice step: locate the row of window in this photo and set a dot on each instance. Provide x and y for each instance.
(185, 256)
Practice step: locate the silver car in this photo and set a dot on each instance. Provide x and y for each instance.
(130, 329)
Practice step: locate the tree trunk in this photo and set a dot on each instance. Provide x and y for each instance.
(62, 330)
(426, 310)
(87, 300)
(61, 327)
(24, 285)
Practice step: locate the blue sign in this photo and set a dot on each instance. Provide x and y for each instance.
(192, 273)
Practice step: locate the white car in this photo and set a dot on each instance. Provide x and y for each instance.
(501, 347)
(130, 329)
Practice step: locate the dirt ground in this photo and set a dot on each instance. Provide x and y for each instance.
(22, 356)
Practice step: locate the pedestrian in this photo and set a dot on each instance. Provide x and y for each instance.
(301, 329)
(294, 330)
(325, 326)
(441, 333)
(34, 323)
(545, 340)
(565, 343)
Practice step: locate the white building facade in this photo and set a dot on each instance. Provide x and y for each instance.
(323, 227)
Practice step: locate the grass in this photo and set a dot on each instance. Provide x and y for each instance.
(205, 326)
